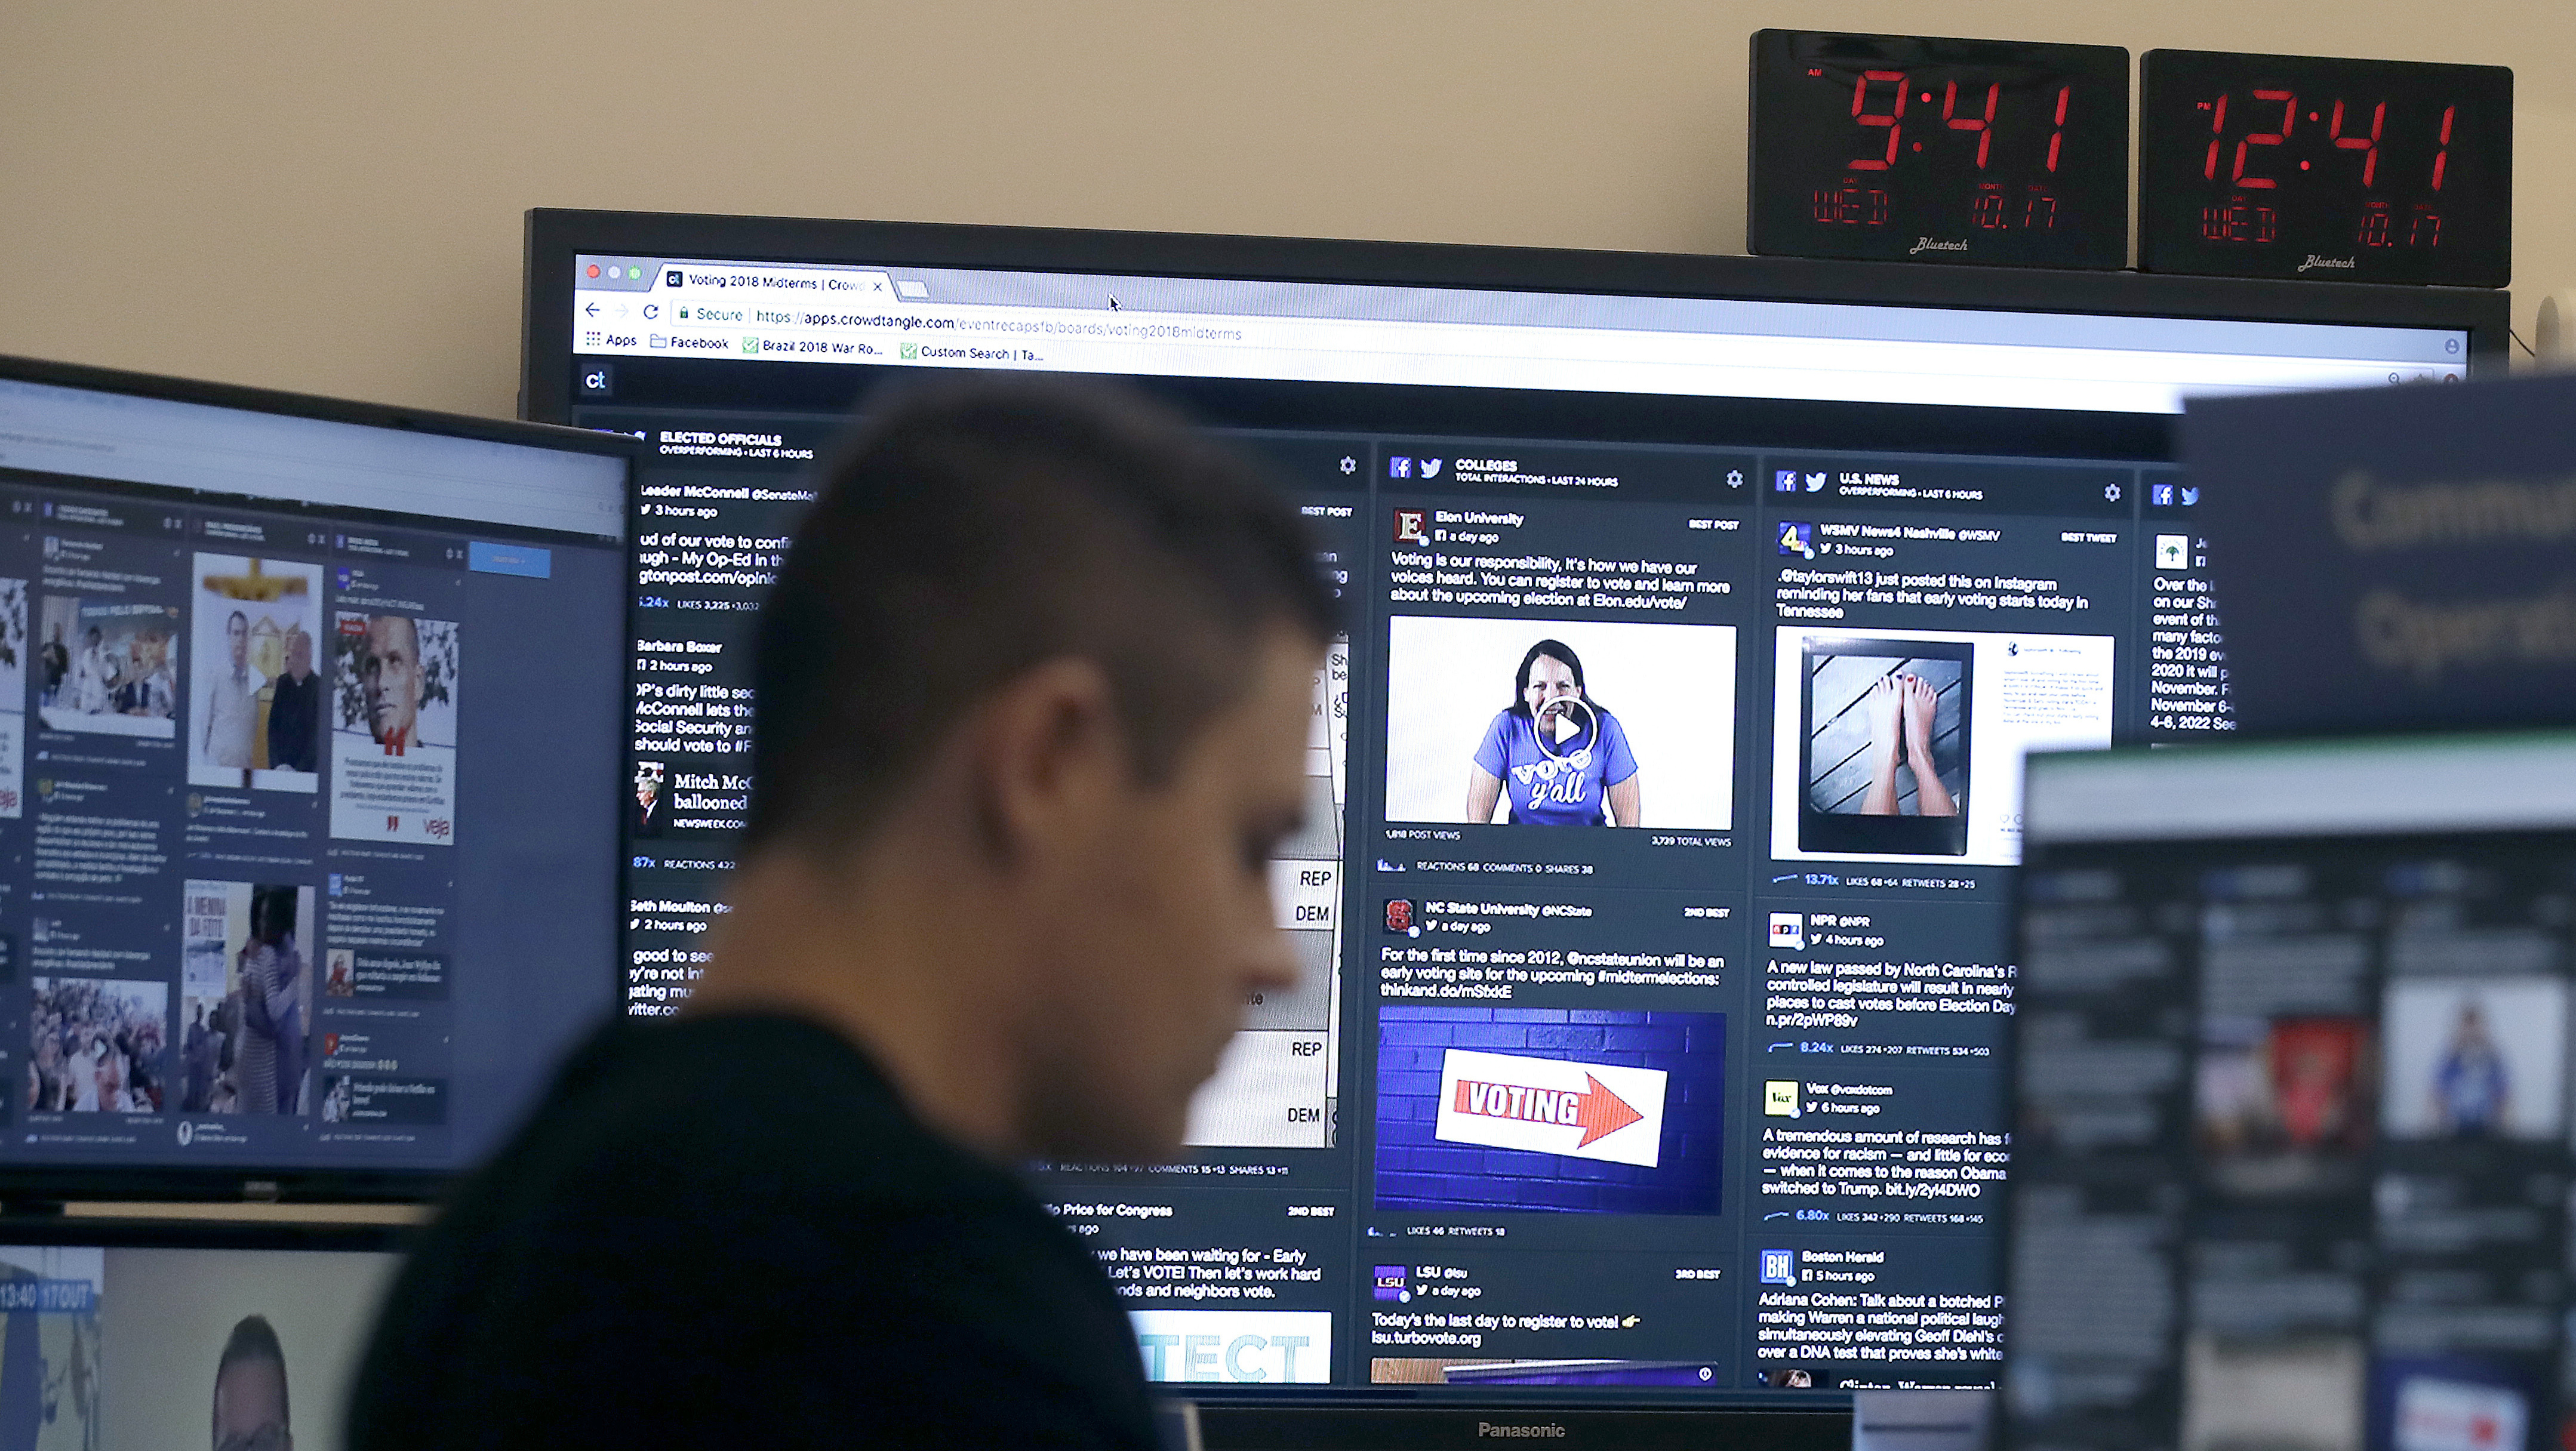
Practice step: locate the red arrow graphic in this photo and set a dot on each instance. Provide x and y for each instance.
(1597, 1111)
(1602, 1112)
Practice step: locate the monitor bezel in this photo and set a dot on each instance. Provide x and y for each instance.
(555, 237)
(43, 1187)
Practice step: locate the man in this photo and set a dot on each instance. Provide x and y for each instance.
(231, 711)
(250, 1390)
(56, 657)
(644, 816)
(389, 681)
(94, 677)
(295, 709)
(1032, 696)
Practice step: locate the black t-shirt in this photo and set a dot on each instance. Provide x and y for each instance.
(728, 1231)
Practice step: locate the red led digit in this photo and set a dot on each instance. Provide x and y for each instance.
(2057, 137)
(2217, 129)
(1987, 211)
(2289, 112)
(2425, 230)
(2367, 145)
(2039, 212)
(2442, 158)
(1893, 121)
(1984, 128)
(2374, 225)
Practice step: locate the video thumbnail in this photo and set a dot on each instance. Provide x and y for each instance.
(1560, 722)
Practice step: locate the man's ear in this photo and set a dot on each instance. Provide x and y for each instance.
(1045, 753)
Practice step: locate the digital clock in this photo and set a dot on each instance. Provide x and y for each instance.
(1920, 149)
(2305, 166)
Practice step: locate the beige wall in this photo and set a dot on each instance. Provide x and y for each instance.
(327, 195)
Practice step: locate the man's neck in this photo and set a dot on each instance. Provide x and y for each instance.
(880, 951)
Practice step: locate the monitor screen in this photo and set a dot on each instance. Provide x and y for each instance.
(2292, 1120)
(116, 1339)
(1664, 797)
(297, 703)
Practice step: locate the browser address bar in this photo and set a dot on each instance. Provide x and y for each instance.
(816, 327)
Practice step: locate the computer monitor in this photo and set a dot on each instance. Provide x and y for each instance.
(310, 723)
(1702, 1106)
(2291, 1136)
(115, 1336)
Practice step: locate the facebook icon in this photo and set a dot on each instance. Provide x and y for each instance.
(1779, 1267)
(1785, 481)
(1399, 467)
(2161, 495)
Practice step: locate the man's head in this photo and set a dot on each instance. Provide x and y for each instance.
(1090, 635)
(237, 638)
(250, 1391)
(272, 914)
(299, 654)
(389, 677)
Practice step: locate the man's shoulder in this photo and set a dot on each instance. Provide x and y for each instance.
(765, 1105)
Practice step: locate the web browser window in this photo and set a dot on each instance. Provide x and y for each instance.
(1664, 798)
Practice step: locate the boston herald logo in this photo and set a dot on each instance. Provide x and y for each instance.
(1929, 244)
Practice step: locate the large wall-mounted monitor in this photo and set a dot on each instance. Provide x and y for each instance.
(310, 720)
(1649, 1043)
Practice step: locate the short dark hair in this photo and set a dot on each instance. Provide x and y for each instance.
(1547, 650)
(255, 1339)
(965, 534)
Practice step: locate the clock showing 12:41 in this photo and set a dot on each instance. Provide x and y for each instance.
(2325, 169)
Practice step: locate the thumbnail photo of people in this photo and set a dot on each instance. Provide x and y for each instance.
(245, 998)
(1907, 745)
(651, 805)
(14, 643)
(254, 692)
(96, 1045)
(1885, 735)
(2284, 1104)
(393, 728)
(1560, 722)
(109, 667)
(2475, 1058)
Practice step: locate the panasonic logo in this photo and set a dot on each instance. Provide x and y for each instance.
(1549, 1431)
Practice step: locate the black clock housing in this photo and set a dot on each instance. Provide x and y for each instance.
(1920, 149)
(2320, 168)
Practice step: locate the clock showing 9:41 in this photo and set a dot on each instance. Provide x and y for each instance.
(1921, 149)
(2336, 170)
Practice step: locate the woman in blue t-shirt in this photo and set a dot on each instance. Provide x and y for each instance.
(1562, 760)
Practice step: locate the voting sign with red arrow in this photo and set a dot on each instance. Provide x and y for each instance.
(1552, 1106)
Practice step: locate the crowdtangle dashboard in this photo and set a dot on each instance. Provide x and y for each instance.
(307, 730)
(1664, 796)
